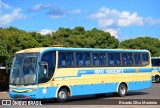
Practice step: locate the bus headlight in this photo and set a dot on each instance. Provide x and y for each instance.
(10, 89)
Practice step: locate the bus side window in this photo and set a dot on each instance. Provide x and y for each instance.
(79, 59)
(117, 59)
(87, 59)
(102, 59)
(62, 59)
(124, 58)
(111, 59)
(145, 58)
(96, 59)
(137, 59)
(130, 59)
(70, 60)
(48, 57)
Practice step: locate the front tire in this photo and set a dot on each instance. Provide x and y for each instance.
(62, 95)
(157, 79)
(122, 90)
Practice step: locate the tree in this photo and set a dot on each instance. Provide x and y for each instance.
(13, 40)
(151, 44)
(79, 37)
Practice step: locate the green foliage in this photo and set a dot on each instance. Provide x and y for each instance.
(151, 44)
(13, 40)
(79, 37)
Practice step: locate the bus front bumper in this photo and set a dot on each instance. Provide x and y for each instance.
(40, 93)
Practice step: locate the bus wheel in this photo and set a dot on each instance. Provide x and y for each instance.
(62, 95)
(157, 79)
(122, 90)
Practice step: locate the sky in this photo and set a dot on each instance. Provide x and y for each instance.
(124, 19)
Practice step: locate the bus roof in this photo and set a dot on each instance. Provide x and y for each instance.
(155, 58)
(43, 49)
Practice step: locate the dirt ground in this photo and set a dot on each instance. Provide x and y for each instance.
(4, 95)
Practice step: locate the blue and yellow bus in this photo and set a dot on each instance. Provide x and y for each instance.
(156, 69)
(42, 73)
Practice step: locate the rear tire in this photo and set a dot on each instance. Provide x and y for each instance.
(157, 79)
(122, 90)
(62, 95)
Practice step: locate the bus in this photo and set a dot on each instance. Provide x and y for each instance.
(58, 72)
(156, 69)
(4, 79)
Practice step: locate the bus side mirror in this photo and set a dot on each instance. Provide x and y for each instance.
(44, 68)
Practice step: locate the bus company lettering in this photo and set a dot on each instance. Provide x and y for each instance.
(83, 72)
(109, 71)
(99, 71)
(114, 71)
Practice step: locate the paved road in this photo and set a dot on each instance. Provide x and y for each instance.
(153, 93)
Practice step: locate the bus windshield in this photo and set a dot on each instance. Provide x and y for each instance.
(23, 70)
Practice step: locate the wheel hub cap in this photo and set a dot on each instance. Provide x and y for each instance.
(62, 95)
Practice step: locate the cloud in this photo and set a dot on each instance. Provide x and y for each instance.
(54, 11)
(105, 22)
(9, 14)
(113, 32)
(4, 6)
(46, 31)
(61, 12)
(10, 17)
(57, 12)
(40, 7)
(78, 11)
(152, 21)
(109, 17)
(104, 13)
(128, 19)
